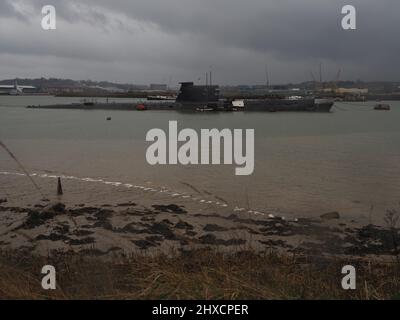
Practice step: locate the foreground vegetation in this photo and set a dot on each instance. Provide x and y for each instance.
(201, 274)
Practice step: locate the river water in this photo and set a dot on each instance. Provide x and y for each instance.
(306, 164)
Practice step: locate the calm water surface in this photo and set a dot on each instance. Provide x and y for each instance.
(305, 163)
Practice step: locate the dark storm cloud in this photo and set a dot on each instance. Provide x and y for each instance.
(143, 41)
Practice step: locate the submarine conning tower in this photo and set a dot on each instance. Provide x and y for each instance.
(189, 92)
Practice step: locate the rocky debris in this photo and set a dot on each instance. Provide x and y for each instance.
(330, 216)
(3, 200)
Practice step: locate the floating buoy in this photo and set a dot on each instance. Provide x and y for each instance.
(140, 107)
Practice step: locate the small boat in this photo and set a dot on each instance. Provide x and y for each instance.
(383, 107)
(161, 98)
(205, 109)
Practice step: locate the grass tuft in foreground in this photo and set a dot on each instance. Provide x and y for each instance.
(197, 274)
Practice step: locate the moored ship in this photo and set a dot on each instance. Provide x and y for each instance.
(194, 98)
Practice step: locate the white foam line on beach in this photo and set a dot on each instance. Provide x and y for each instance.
(163, 190)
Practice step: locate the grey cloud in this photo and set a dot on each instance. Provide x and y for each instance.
(182, 38)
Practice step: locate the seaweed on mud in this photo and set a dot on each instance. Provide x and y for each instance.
(101, 218)
(127, 204)
(183, 225)
(276, 243)
(155, 238)
(148, 219)
(211, 239)
(162, 229)
(76, 242)
(53, 237)
(82, 233)
(36, 219)
(131, 228)
(62, 228)
(61, 237)
(214, 228)
(172, 208)
(83, 210)
(373, 240)
(104, 224)
(191, 233)
(58, 208)
(144, 244)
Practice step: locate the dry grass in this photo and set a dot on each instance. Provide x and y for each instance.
(202, 274)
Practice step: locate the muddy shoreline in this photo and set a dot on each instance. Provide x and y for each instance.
(107, 220)
(126, 228)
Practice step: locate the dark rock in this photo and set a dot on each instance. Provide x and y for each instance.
(4, 200)
(330, 216)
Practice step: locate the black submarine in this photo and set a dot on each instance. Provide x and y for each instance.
(206, 98)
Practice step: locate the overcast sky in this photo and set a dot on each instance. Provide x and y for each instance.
(152, 41)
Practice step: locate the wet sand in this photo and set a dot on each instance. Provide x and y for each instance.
(138, 219)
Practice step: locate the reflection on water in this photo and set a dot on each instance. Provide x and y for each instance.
(305, 163)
